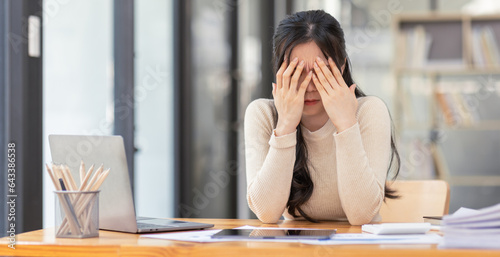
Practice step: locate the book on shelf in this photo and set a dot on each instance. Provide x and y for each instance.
(467, 228)
(415, 45)
(443, 101)
(485, 52)
(478, 57)
(457, 104)
(414, 52)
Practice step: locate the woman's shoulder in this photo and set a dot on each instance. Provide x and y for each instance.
(261, 106)
(371, 102)
(261, 110)
(372, 105)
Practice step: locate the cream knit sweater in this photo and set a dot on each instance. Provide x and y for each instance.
(348, 169)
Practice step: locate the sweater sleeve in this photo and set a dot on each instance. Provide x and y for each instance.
(269, 162)
(363, 157)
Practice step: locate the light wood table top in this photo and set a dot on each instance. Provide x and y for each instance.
(43, 243)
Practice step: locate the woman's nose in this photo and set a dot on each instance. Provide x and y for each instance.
(311, 87)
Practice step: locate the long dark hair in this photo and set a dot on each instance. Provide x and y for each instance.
(325, 31)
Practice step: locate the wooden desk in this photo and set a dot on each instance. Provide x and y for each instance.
(44, 243)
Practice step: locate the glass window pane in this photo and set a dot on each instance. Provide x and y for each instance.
(77, 75)
(154, 162)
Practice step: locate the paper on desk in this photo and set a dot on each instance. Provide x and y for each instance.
(464, 212)
(202, 236)
(351, 238)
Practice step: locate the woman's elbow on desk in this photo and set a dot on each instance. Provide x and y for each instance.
(264, 215)
(269, 219)
(361, 217)
(267, 216)
(357, 221)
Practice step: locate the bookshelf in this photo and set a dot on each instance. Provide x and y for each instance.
(447, 97)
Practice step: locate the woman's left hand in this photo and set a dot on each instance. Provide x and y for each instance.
(338, 99)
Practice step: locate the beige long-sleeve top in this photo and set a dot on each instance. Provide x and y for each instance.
(348, 169)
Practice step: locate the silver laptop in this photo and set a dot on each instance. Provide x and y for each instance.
(116, 205)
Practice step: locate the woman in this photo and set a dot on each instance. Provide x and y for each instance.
(321, 150)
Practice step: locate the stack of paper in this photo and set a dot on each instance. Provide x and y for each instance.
(468, 228)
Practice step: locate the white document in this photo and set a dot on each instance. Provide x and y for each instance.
(396, 228)
(203, 236)
(366, 239)
(468, 216)
(464, 211)
(476, 242)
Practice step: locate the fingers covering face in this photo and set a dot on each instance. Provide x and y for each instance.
(288, 72)
(279, 75)
(288, 76)
(321, 89)
(326, 72)
(297, 74)
(336, 73)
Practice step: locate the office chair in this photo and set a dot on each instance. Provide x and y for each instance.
(418, 198)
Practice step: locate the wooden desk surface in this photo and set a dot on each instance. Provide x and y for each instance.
(44, 243)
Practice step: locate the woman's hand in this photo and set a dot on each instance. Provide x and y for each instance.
(338, 99)
(288, 98)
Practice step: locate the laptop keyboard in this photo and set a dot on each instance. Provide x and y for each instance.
(145, 223)
(142, 225)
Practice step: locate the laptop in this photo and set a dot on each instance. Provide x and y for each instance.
(116, 204)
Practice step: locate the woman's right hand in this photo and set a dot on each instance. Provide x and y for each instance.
(288, 98)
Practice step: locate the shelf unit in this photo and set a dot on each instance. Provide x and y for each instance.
(447, 72)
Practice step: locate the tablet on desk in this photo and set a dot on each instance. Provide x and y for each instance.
(312, 234)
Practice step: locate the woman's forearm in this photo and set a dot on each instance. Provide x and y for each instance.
(269, 177)
(363, 156)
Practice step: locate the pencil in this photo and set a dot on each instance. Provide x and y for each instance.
(67, 179)
(80, 198)
(80, 206)
(61, 175)
(57, 173)
(94, 178)
(70, 212)
(86, 179)
(100, 180)
(55, 176)
(96, 181)
(52, 177)
(82, 172)
(71, 180)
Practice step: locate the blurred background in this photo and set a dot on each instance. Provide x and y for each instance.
(174, 77)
